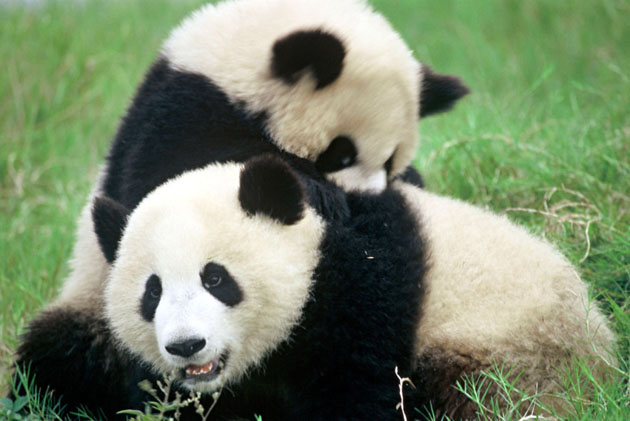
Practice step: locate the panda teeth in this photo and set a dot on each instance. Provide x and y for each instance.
(207, 368)
(195, 371)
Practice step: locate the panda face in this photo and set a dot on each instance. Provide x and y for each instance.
(200, 284)
(337, 84)
(193, 327)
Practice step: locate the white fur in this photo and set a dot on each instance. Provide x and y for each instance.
(375, 100)
(494, 291)
(177, 229)
(83, 288)
(187, 310)
(353, 178)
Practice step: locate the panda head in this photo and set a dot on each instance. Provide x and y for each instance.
(212, 269)
(336, 84)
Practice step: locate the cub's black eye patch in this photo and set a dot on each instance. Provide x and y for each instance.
(151, 297)
(218, 282)
(341, 153)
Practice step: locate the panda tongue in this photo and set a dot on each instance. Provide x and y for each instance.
(196, 369)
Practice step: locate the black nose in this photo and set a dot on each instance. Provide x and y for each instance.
(186, 348)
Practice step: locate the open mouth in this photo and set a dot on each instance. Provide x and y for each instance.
(206, 372)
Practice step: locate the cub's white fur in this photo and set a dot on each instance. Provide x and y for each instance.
(271, 262)
(375, 100)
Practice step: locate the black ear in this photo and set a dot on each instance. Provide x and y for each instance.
(270, 187)
(438, 92)
(109, 218)
(320, 52)
(411, 176)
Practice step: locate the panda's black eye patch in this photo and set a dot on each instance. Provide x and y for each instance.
(218, 282)
(341, 153)
(151, 297)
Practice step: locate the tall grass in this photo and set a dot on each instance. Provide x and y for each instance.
(544, 137)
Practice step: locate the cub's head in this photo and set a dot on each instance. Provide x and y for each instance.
(211, 270)
(336, 83)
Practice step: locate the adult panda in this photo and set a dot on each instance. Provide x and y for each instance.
(328, 81)
(229, 276)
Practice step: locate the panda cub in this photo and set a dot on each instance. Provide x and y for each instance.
(328, 81)
(229, 277)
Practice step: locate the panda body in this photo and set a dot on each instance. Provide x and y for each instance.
(228, 276)
(495, 295)
(289, 316)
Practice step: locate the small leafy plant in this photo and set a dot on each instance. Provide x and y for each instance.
(161, 407)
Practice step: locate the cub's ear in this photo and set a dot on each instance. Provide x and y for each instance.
(320, 52)
(109, 218)
(411, 176)
(439, 93)
(270, 187)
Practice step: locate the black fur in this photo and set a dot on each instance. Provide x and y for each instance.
(177, 122)
(73, 353)
(109, 218)
(363, 315)
(151, 298)
(439, 93)
(340, 154)
(318, 51)
(411, 176)
(218, 282)
(436, 377)
(269, 187)
(182, 121)
(359, 324)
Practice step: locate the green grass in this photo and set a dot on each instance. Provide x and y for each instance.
(545, 135)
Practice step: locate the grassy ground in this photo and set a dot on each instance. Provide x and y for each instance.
(545, 136)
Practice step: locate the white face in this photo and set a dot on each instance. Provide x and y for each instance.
(373, 102)
(203, 289)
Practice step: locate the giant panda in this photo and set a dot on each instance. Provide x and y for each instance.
(328, 81)
(229, 276)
